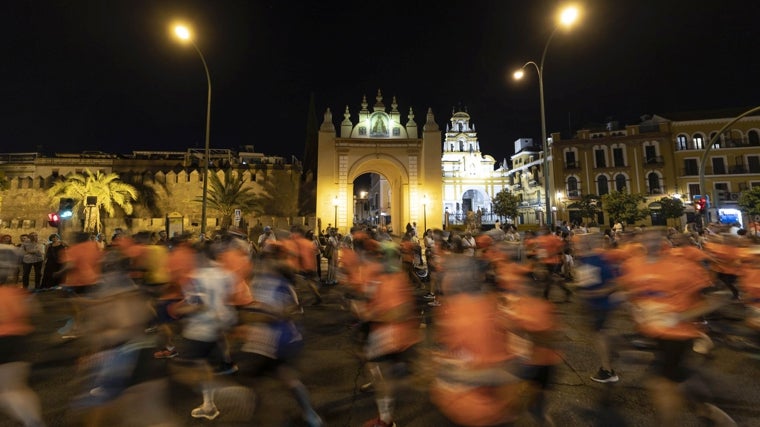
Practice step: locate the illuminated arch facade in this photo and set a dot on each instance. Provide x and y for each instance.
(378, 142)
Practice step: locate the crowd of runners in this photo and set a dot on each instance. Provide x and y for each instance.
(207, 307)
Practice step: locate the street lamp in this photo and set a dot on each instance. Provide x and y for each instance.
(424, 214)
(567, 17)
(183, 33)
(336, 202)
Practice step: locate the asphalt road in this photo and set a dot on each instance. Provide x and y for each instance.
(332, 371)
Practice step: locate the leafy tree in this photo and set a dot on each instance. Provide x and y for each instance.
(279, 195)
(505, 204)
(589, 207)
(672, 208)
(227, 194)
(109, 190)
(625, 206)
(750, 201)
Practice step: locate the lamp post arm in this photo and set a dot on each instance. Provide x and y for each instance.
(702, 188)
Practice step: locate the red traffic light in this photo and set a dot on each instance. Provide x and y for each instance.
(53, 219)
(700, 205)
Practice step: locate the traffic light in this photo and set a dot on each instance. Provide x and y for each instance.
(66, 208)
(54, 220)
(700, 205)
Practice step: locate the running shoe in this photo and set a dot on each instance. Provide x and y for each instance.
(165, 354)
(605, 376)
(429, 296)
(226, 369)
(434, 303)
(207, 413)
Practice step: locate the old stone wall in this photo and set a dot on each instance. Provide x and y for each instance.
(24, 204)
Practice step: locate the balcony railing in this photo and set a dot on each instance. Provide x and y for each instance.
(572, 165)
(726, 170)
(654, 160)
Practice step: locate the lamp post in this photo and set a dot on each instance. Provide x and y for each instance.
(183, 33)
(567, 17)
(424, 214)
(336, 202)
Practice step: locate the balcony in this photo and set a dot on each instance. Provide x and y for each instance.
(654, 160)
(572, 165)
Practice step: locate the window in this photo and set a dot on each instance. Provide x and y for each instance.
(682, 143)
(600, 159)
(754, 138)
(603, 185)
(572, 187)
(717, 141)
(650, 154)
(690, 167)
(694, 190)
(617, 157)
(754, 164)
(653, 180)
(719, 165)
(570, 159)
(620, 183)
(699, 142)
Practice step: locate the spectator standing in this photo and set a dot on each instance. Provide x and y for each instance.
(331, 252)
(34, 254)
(53, 262)
(468, 244)
(266, 237)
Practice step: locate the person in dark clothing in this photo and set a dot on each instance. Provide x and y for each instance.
(53, 263)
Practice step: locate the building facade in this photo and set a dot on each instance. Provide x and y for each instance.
(659, 157)
(379, 142)
(470, 179)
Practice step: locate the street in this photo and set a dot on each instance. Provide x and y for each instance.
(332, 371)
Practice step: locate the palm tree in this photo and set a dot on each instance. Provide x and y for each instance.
(107, 189)
(279, 195)
(228, 195)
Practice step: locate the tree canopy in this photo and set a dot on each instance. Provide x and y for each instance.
(229, 193)
(624, 207)
(107, 189)
(505, 204)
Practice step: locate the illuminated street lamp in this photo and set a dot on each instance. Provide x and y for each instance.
(424, 214)
(183, 33)
(336, 202)
(566, 18)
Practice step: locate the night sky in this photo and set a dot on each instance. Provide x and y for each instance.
(106, 75)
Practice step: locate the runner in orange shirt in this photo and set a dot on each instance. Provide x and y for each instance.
(81, 267)
(16, 397)
(665, 291)
(724, 254)
(306, 266)
(393, 329)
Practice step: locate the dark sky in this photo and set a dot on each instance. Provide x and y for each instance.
(106, 75)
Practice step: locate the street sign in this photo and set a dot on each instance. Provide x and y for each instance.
(237, 217)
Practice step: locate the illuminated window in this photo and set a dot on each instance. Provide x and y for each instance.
(699, 142)
(682, 143)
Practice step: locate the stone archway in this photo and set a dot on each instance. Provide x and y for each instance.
(411, 165)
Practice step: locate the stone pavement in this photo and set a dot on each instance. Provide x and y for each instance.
(333, 372)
